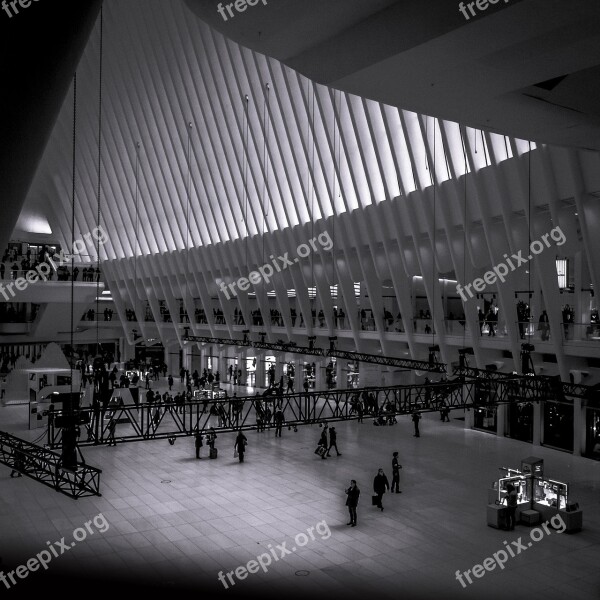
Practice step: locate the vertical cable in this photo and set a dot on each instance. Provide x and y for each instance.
(99, 190)
(529, 233)
(433, 258)
(187, 218)
(265, 206)
(73, 223)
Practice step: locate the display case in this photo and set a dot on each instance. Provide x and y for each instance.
(548, 492)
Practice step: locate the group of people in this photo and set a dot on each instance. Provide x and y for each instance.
(324, 447)
(380, 486)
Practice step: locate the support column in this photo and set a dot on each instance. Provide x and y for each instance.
(341, 381)
(172, 360)
(320, 383)
(188, 349)
(537, 424)
(260, 370)
(578, 427)
(501, 420)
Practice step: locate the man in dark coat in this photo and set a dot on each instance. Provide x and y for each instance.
(279, 418)
(416, 417)
(333, 441)
(380, 485)
(240, 445)
(352, 501)
(396, 466)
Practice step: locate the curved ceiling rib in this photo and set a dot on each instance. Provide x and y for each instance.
(305, 143)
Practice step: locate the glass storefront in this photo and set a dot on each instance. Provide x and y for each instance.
(520, 416)
(331, 374)
(485, 419)
(270, 371)
(558, 425)
(592, 433)
(251, 371)
(353, 376)
(309, 372)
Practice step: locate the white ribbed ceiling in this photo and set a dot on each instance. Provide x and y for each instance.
(302, 152)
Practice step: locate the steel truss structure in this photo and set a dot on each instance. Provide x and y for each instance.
(46, 467)
(405, 363)
(539, 384)
(143, 421)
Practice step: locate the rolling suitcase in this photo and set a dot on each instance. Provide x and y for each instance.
(213, 453)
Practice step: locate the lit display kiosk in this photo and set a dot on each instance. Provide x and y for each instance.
(538, 497)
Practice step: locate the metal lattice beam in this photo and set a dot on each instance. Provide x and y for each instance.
(552, 386)
(405, 363)
(45, 466)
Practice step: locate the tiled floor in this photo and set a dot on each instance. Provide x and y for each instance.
(174, 520)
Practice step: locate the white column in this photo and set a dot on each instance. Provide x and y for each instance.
(537, 424)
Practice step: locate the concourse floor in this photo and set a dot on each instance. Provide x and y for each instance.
(175, 522)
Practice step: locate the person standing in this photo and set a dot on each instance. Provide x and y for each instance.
(170, 381)
(352, 501)
(396, 466)
(380, 485)
(511, 506)
(240, 445)
(210, 440)
(278, 418)
(416, 417)
(111, 432)
(333, 441)
(198, 443)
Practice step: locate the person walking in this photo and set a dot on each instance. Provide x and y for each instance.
(198, 443)
(396, 466)
(333, 441)
(380, 485)
(352, 494)
(511, 506)
(170, 381)
(240, 445)
(322, 446)
(416, 417)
